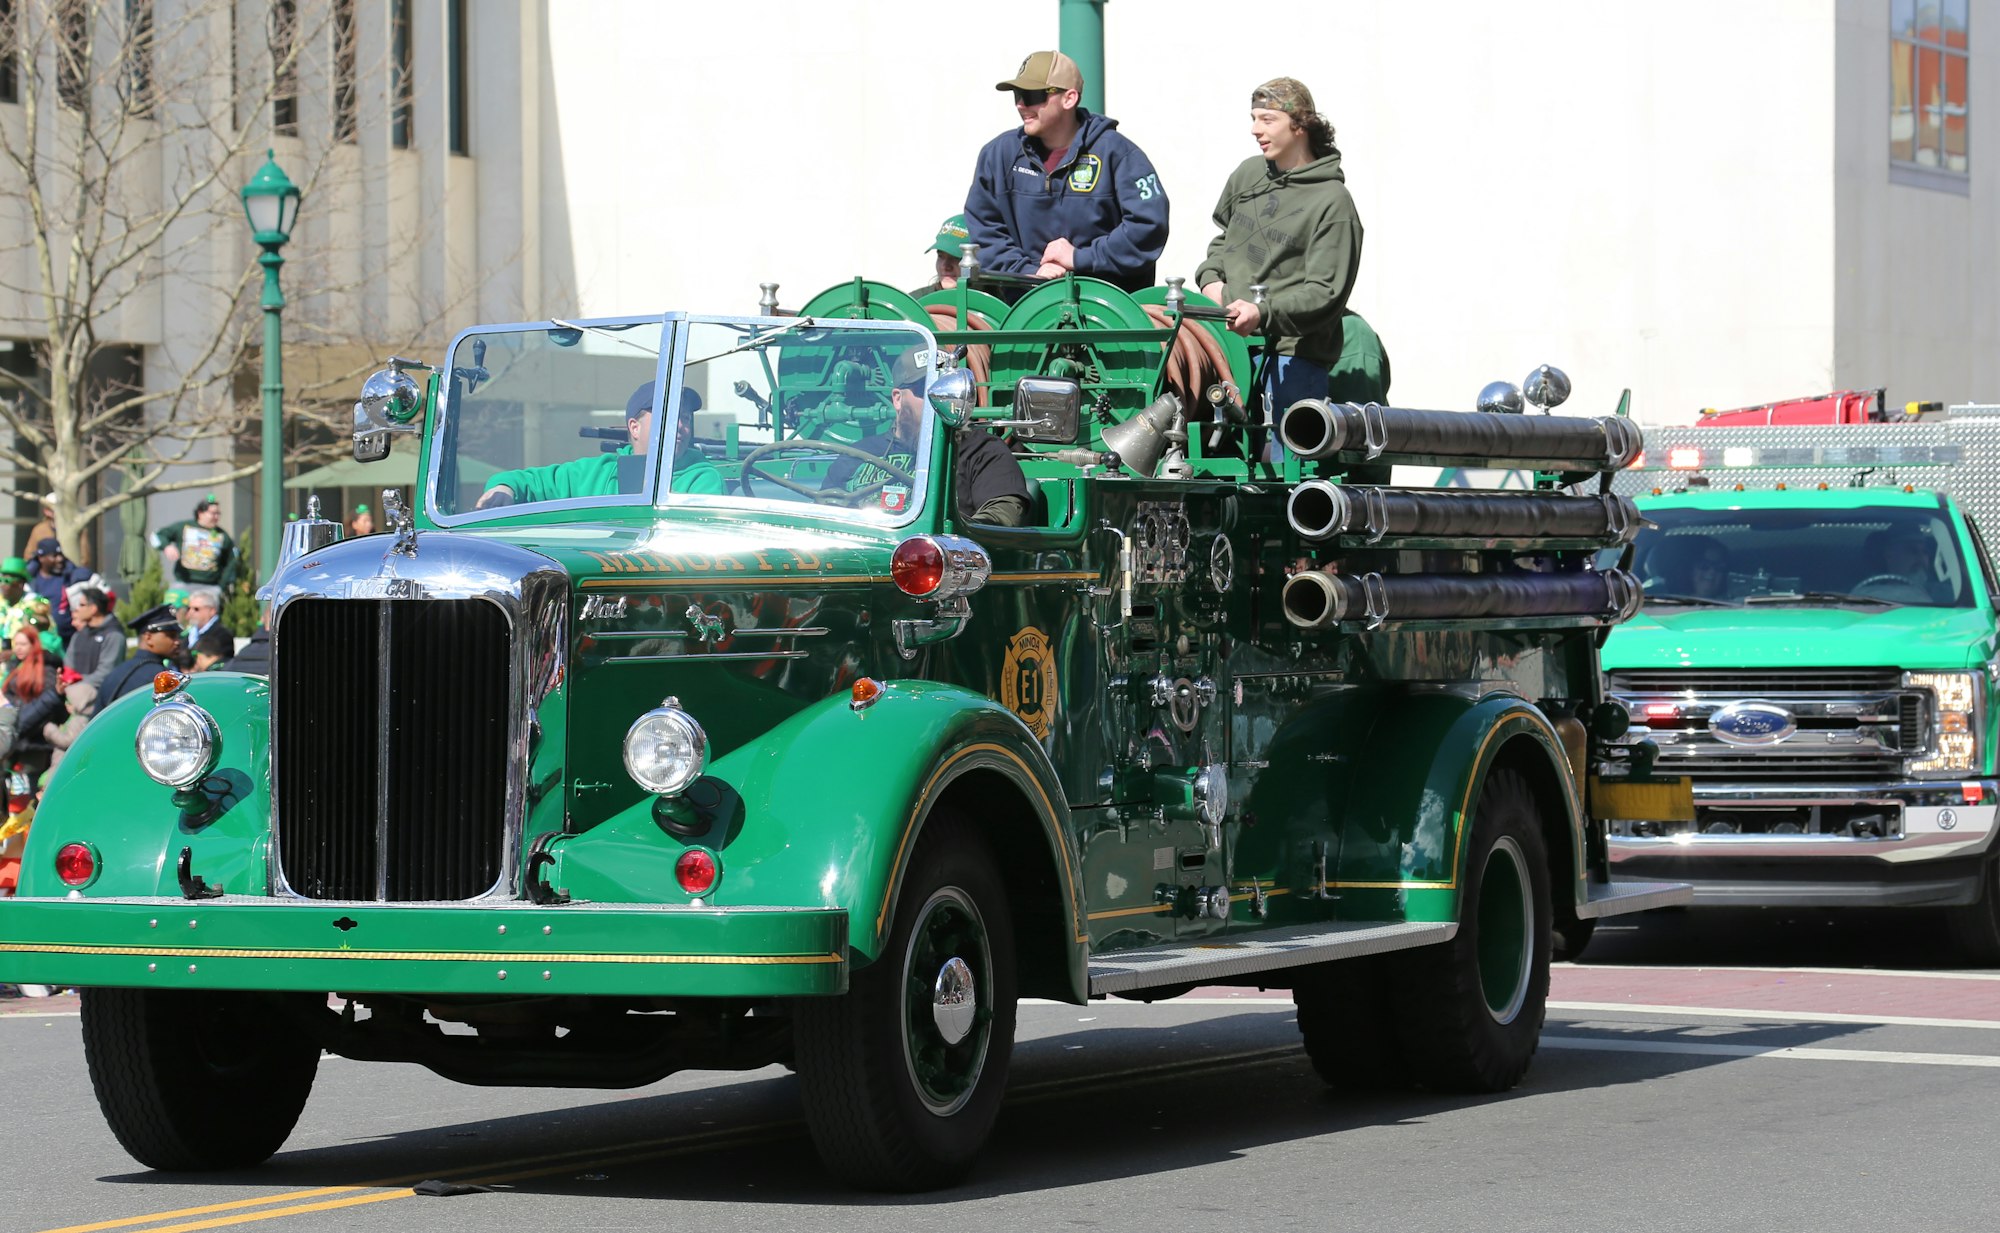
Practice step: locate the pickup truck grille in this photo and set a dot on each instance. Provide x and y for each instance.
(1854, 724)
(390, 726)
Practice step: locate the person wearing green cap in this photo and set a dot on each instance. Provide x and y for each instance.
(199, 552)
(16, 605)
(950, 249)
(363, 523)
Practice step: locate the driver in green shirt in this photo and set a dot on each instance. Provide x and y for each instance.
(597, 475)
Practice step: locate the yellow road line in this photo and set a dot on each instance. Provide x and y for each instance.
(678, 1145)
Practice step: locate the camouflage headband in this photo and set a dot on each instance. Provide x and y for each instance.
(1286, 94)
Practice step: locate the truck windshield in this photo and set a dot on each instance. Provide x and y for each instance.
(706, 412)
(1871, 556)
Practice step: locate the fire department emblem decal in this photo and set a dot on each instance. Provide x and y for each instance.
(1028, 681)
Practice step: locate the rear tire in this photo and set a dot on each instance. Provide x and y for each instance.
(1472, 1008)
(196, 1080)
(902, 1084)
(1975, 927)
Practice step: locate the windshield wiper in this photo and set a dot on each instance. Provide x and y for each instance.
(1703, 601)
(573, 332)
(761, 340)
(1820, 597)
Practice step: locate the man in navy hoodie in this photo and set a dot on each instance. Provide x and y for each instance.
(1065, 191)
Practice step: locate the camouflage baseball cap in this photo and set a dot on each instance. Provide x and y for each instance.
(1286, 94)
(951, 237)
(1045, 70)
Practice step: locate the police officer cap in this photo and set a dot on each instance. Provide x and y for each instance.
(642, 401)
(156, 620)
(912, 368)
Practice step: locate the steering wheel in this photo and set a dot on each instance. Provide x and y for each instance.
(1892, 585)
(825, 496)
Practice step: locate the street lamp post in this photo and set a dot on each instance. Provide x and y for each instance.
(271, 201)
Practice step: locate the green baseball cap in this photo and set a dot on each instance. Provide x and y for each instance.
(951, 237)
(175, 598)
(14, 567)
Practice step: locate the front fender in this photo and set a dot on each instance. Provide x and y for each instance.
(824, 810)
(100, 797)
(1404, 840)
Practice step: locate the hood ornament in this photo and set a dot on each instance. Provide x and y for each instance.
(402, 524)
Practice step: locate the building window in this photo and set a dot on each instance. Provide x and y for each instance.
(72, 22)
(460, 121)
(138, 75)
(10, 53)
(1928, 67)
(285, 67)
(345, 124)
(401, 88)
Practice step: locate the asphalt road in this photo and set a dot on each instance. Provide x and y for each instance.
(1699, 1071)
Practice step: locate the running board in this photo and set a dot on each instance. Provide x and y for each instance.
(1225, 957)
(1621, 897)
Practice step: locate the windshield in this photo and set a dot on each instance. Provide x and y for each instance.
(750, 413)
(1872, 556)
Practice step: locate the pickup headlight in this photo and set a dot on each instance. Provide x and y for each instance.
(665, 749)
(178, 744)
(1959, 708)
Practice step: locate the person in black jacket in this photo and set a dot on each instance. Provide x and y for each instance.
(1065, 191)
(159, 637)
(33, 689)
(98, 645)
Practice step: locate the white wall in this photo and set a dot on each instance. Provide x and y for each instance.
(1639, 194)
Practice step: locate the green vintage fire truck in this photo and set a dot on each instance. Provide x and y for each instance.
(748, 747)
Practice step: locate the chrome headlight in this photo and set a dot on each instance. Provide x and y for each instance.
(1958, 712)
(1211, 794)
(178, 744)
(665, 749)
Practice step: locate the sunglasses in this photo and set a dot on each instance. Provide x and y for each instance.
(1033, 98)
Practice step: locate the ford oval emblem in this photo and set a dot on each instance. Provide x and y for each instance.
(1752, 723)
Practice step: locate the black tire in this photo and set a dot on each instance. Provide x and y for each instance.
(1572, 938)
(1349, 1025)
(892, 1101)
(1472, 1008)
(1975, 927)
(196, 1080)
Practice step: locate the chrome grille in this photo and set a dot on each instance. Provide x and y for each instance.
(1854, 724)
(390, 728)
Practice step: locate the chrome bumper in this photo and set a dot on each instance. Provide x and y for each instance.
(1932, 821)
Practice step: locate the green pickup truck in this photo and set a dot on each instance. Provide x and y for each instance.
(1817, 653)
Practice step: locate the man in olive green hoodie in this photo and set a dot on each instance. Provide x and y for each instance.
(1287, 221)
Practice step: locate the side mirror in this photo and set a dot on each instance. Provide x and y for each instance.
(953, 396)
(390, 398)
(1047, 410)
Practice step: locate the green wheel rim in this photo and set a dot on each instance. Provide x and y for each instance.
(949, 932)
(1506, 930)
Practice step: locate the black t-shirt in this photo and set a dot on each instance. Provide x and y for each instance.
(986, 469)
